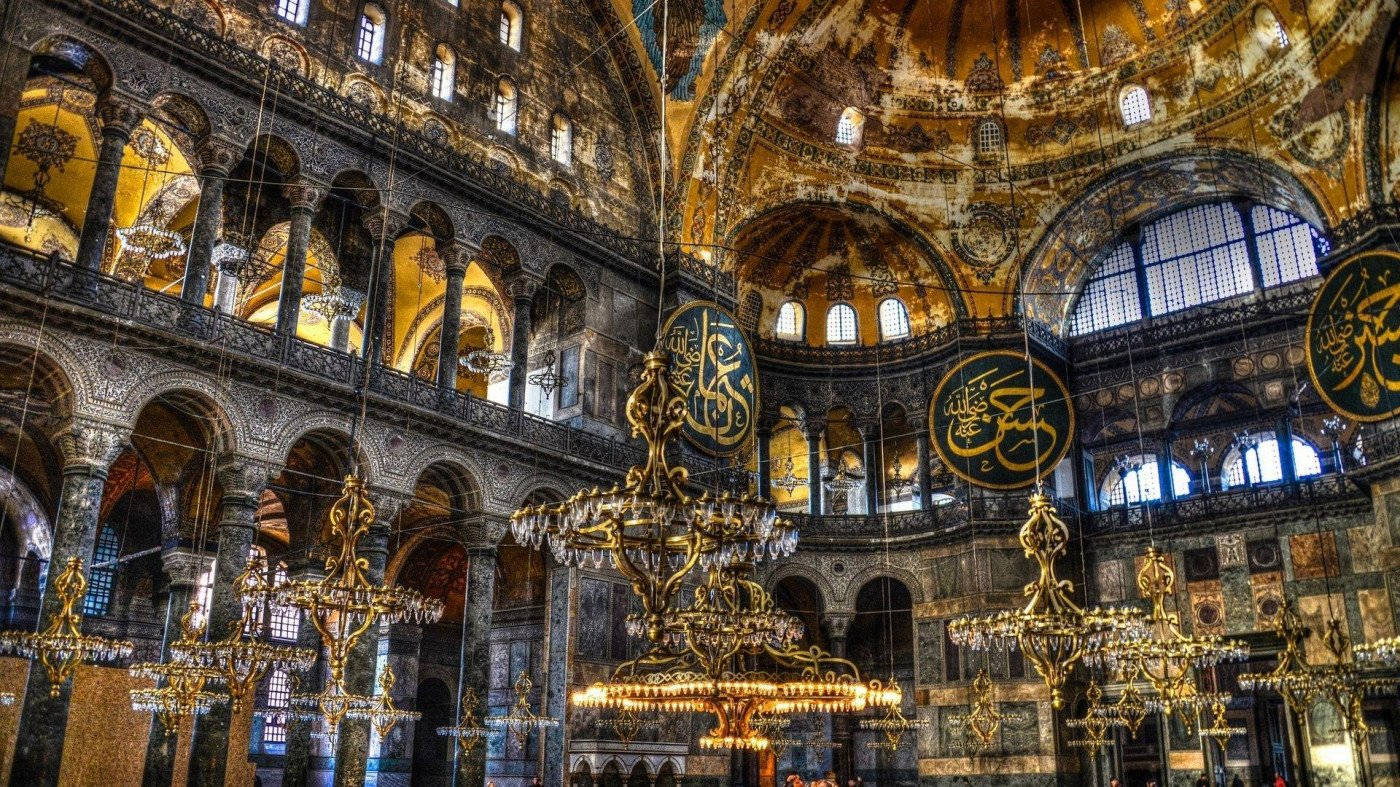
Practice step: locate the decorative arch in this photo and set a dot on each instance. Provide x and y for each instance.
(1066, 254)
(228, 430)
(466, 469)
(83, 56)
(826, 591)
(857, 581)
(65, 372)
(434, 220)
(370, 458)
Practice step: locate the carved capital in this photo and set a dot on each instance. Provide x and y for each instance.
(384, 225)
(303, 196)
(184, 567)
(838, 623)
(455, 259)
(387, 504)
(120, 115)
(813, 426)
(218, 156)
(90, 445)
(522, 285)
(242, 476)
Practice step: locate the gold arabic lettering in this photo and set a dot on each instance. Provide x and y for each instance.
(710, 369)
(995, 415)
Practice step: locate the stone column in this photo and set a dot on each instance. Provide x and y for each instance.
(476, 630)
(183, 568)
(449, 336)
(924, 471)
(217, 158)
(384, 228)
(563, 602)
(765, 462)
(870, 443)
(842, 759)
(296, 762)
(521, 287)
(243, 480)
(399, 649)
(120, 117)
(813, 429)
(352, 744)
(304, 198)
(88, 448)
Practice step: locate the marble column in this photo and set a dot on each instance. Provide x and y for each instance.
(119, 117)
(450, 333)
(88, 448)
(217, 158)
(870, 457)
(297, 759)
(765, 462)
(384, 228)
(352, 744)
(476, 631)
(183, 569)
(838, 624)
(242, 480)
(521, 287)
(392, 757)
(304, 198)
(563, 602)
(925, 476)
(813, 430)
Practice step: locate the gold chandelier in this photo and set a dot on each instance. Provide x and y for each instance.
(521, 720)
(1166, 659)
(983, 719)
(1052, 630)
(240, 662)
(1093, 724)
(62, 645)
(180, 692)
(1381, 653)
(893, 724)
(1220, 729)
(468, 731)
(344, 604)
(1291, 677)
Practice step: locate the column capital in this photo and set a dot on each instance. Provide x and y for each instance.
(304, 195)
(482, 551)
(120, 114)
(242, 475)
(522, 284)
(388, 503)
(384, 224)
(813, 426)
(838, 623)
(218, 156)
(184, 567)
(455, 259)
(90, 444)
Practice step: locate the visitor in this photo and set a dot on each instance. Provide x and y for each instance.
(1279, 780)
(793, 780)
(1202, 781)
(829, 780)
(1115, 782)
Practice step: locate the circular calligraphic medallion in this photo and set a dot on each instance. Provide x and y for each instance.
(712, 368)
(1353, 337)
(981, 422)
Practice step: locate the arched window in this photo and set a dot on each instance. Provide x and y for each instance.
(791, 321)
(841, 324)
(1134, 105)
(294, 11)
(444, 78)
(505, 107)
(511, 24)
(1268, 30)
(561, 140)
(1287, 245)
(279, 695)
(369, 40)
(102, 572)
(988, 137)
(894, 319)
(848, 127)
(1140, 482)
(1261, 463)
(1196, 256)
(283, 622)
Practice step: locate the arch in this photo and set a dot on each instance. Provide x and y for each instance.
(1134, 105)
(849, 126)
(56, 369)
(286, 54)
(275, 151)
(792, 320)
(463, 470)
(319, 424)
(640, 775)
(1068, 251)
(506, 110)
(988, 137)
(535, 486)
(842, 324)
(370, 33)
(869, 574)
(182, 114)
(827, 593)
(79, 56)
(442, 81)
(512, 26)
(1269, 31)
(214, 403)
(893, 319)
(431, 218)
(431, 752)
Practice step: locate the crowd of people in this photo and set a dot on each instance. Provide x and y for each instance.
(794, 779)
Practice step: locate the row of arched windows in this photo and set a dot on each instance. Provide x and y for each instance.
(1198, 255)
(1138, 479)
(842, 324)
(370, 32)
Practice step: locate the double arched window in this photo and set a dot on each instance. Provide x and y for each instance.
(894, 320)
(369, 36)
(841, 324)
(505, 109)
(791, 322)
(444, 76)
(512, 24)
(1198, 255)
(848, 127)
(1260, 462)
(1139, 481)
(1134, 105)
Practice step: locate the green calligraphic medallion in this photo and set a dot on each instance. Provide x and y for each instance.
(712, 368)
(1353, 337)
(982, 425)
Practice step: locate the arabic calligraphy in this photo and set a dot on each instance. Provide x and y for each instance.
(996, 424)
(1353, 337)
(712, 369)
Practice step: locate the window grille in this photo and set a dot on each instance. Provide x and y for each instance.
(894, 319)
(369, 44)
(1135, 106)
(294, 11)
(1287, 246)
(841, 324)
(103, 573)
(1111, 297)
(789, 324)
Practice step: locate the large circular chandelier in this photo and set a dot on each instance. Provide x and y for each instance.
(1052, 630)
(61, 646)
(1166, 659)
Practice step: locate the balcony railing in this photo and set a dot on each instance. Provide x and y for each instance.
(799, 352)
(203, 328)
(1310, 494)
